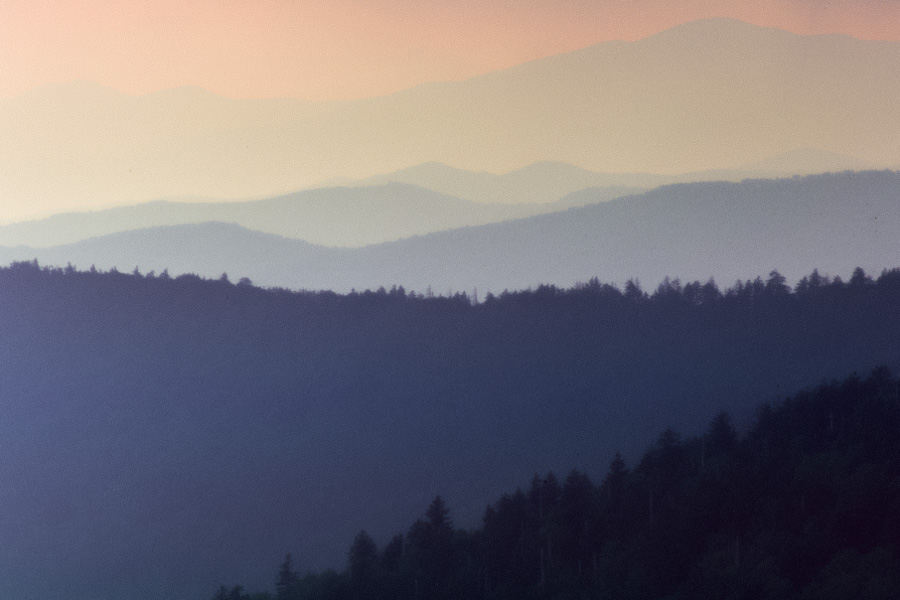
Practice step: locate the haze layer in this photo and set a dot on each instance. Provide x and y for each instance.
(709, 94)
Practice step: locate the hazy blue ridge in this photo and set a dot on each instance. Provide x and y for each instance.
(338, 216)
(723, 230)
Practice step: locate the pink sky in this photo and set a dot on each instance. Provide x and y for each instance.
(323, 49)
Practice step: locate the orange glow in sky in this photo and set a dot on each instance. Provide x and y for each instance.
(323, 49)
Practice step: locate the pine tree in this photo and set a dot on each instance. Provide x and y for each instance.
(362, 560)
(286, 581)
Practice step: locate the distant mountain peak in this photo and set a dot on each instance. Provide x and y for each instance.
(716, 32)
(719, 28)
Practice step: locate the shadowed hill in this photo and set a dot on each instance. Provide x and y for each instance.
(802, 505)
(182, 433)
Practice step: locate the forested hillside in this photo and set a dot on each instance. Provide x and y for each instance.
(207, 427)
(804, 505)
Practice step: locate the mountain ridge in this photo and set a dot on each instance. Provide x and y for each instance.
(548, 180)
(148, 415)
(832, 222)
(336, 216)
(627, 107)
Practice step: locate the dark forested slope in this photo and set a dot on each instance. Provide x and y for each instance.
(161, 436)
(805, 505)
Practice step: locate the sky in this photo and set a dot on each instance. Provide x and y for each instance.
(341, 49)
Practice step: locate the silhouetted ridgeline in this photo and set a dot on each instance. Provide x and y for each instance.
(805, 505)
(206, 428)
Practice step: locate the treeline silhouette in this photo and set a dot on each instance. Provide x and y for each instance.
(194, 410)
(804, 505)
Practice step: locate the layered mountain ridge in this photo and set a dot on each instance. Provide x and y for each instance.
(833, 222)
(706, 95)
(335, 216)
